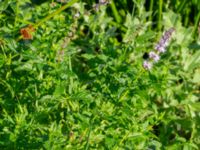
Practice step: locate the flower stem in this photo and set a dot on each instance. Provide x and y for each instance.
(115, 12)
(52, 15)
(160, 15)
(151, 9)
(55, 13)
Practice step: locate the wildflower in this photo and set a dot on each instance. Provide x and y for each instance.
(53, 4)
(162, 44)
(96, 7)
(154, 56)
(103, 2)
(77, 15)
(160, 47)
(147, 65)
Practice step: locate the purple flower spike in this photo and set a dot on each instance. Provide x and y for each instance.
(154, 56)
(162, 44)
(168, 34)
(103, 2)
(160, 48)
(147, 65)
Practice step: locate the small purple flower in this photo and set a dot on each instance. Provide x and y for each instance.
(160, 48)
(168, 34)
(103, 2)
(162, 44)
(154, 56)
(147, 65)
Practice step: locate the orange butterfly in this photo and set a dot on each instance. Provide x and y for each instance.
(27, 32)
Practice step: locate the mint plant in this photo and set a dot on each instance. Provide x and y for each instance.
(160, 48)
(73, 75)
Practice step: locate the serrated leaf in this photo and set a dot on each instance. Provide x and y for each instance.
(192, 62)
(60, 89)
(195, 106)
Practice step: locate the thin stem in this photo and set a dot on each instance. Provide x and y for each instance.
(89, 132)
(186, 21)
(151, 9)
(196, 24)
(115, 12)
(160, 15)
(55, 13)
(25, 22)
(181, 6)
(70, 79)
(88, 138)
(16, 13)
(52, 15)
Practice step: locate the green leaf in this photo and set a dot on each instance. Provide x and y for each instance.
(1, 60)
(88, 56)
(28, 66)
(196, 78)
(60, 89)
(195, 106)
(192, 62)
(4, 5)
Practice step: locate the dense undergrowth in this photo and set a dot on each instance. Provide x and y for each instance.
(72, 75)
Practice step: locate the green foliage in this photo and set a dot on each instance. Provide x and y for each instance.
(78, 82)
